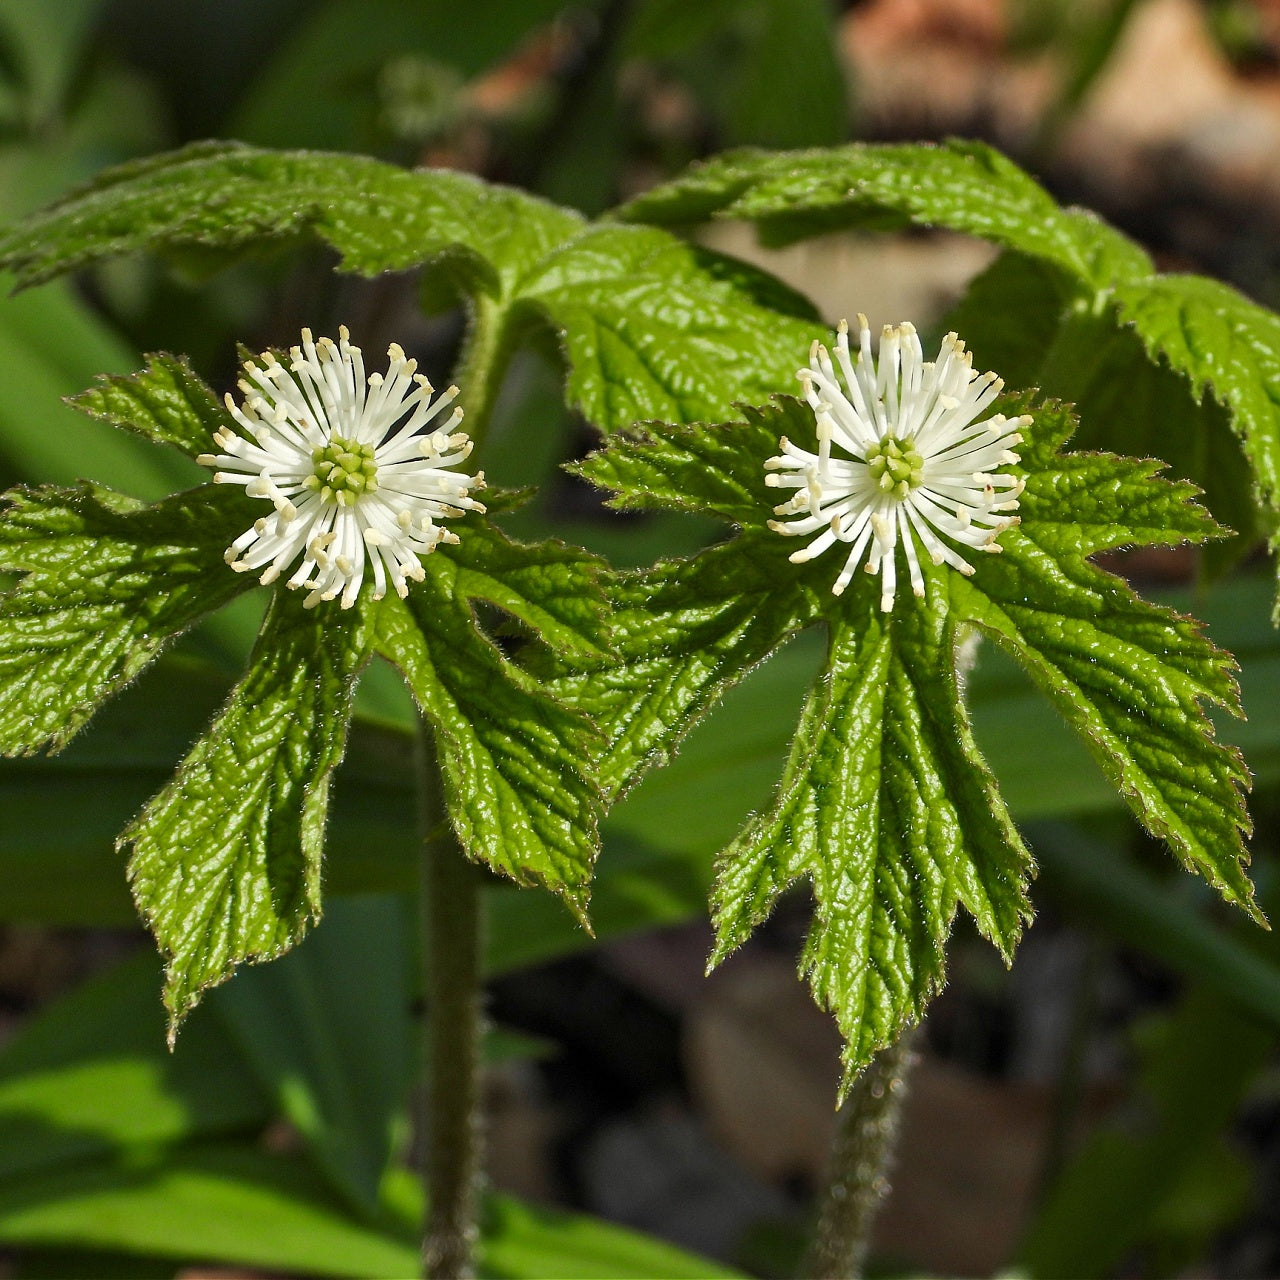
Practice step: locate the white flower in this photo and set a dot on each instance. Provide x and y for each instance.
(349, 467)
(902, 455)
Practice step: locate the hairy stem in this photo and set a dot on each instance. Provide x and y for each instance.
(481, 364)
(857, 1180)
(451, 925)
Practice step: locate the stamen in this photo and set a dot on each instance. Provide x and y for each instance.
(903, 455)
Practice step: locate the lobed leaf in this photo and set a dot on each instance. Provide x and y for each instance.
(686, 631)
(107, 582)
(223, 196)
(683, 633)
(1024, 318)
(962, 186)
(511, 756)
(165, 402)
(1010, 315)
(224, 862)
(1224, 344)
(653, 327)
(1053, 311)
(888, 810)
(549, 586)
(714, 472)
(650, 325)
(1128, 676)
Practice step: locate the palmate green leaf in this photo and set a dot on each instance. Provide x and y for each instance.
(166, 403)
(684, 631)
(225, 861)
(1223, 342)
(1229, 347)
(107, 581)
(650, 325)
(512, 756)
(550, 587)
(223, 196)
(1010, 316)
(888, 810)
(58, 815)
(1024, 318)
(1058, 305)
(653, 327)
(1130, 679)
(1204, 330)
(964, 186)
(885, 805)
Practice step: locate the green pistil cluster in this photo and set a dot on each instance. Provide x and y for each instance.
(895, 465)
(343, 471)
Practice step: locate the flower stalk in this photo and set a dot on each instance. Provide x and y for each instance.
(454, 1026)
(452, 915)
(861, 1157)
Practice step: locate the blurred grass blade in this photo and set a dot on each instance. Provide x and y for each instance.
(48, 46)
(235, 1204)
(51, 347)
(1128, 1178)
(328, 1032)
(228, 1202)
(91, 1076)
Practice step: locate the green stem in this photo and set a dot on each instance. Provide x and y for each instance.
(857, 1180)
(452, 932)
(452, 928)
(481, 364)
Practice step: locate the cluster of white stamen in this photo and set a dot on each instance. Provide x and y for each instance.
(349, 465)
(902, 455)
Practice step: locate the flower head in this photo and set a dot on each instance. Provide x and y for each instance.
(348, 464)
(903, 455)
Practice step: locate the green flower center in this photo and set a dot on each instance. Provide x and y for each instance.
(895, 465)
(343, 471)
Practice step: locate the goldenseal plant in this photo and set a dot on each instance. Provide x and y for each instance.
(225, 861)
(914, 456)
(536, 709)
(885, 806)
(347, 463)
